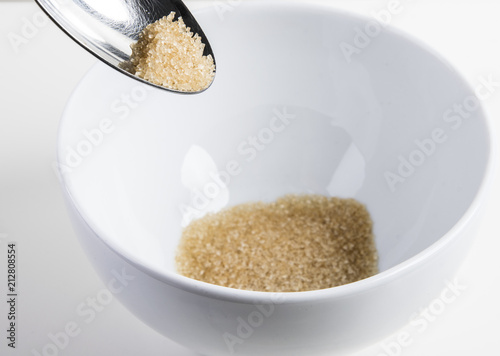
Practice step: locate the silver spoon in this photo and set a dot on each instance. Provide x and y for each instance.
(107, 28)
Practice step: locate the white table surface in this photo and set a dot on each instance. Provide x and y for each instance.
(40, 66)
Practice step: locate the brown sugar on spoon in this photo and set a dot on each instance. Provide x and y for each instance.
(168, 54)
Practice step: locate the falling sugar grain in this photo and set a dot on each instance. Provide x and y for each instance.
(297, 243)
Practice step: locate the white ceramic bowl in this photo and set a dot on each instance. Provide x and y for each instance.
(306, 100)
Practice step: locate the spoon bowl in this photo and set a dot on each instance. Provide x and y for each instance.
(107, 28)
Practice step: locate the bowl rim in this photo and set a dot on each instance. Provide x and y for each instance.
(384, 277)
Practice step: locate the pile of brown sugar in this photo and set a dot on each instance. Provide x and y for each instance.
(297, 243)
(168, 54)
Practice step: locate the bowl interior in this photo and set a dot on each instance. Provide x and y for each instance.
(393, 126)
